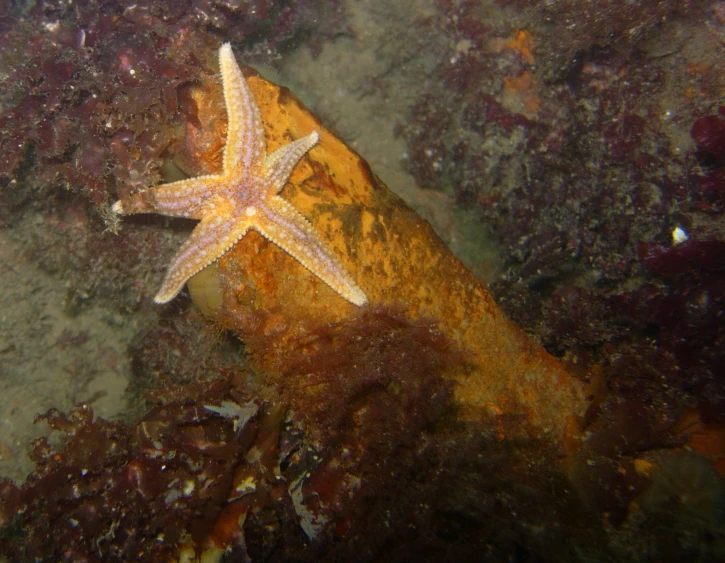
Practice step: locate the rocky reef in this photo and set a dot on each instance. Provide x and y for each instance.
(425, 425)
(351, 393)
(588, 142)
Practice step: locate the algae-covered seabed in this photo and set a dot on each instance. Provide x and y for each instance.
(58, 349)
(49, 358)
(60, 346)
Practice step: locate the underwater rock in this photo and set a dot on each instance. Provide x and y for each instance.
(422, 421)
(276, 306)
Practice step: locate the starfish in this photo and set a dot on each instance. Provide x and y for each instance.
(244, 196)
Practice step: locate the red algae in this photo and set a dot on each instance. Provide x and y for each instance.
(117, 492)
(709, 134)
(381, 469)
(607, 201)
(351, 445)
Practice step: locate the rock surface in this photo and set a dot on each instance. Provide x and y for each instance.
(274, 304)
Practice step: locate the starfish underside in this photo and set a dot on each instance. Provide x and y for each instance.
(244, 196)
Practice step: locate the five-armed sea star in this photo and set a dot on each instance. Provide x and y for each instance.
(244, 196)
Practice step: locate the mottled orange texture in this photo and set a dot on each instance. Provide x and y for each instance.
(524, 88)
(274, 304)
(523, 44)
(705, 438)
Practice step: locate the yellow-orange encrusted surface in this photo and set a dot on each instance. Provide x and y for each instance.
(273, 303)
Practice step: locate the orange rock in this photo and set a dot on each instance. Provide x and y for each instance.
(643, 467)
(523, 43)
(705, 438)
(273, 303)
(520, 95)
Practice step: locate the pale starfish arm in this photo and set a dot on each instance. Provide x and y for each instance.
(283, 225)
(245, 148)
(279, 165)
(184, 198)
(211, 238)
